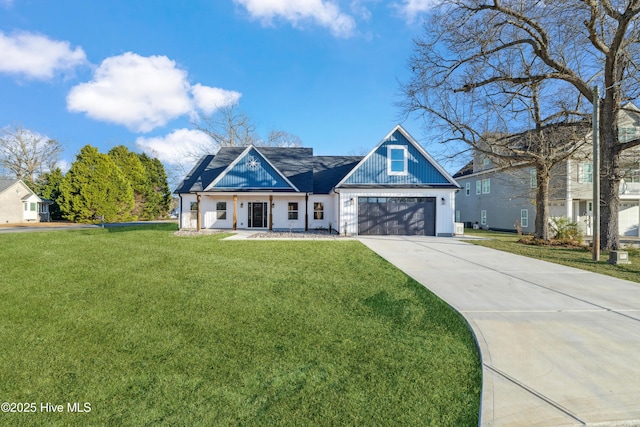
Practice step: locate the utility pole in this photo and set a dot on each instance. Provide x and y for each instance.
(596, 175)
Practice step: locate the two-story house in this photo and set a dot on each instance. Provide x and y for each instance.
(504, 198)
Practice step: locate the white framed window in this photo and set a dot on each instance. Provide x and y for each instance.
(26, 206)
(478, 187)
(318, 210)
(32, 207)
(486, 186)
(221, 210)
(524, 217)
(485, 163)
(467, 188)
(397, 160)
(483, 217)
(533, 179)
(292, 210)
(585, 172)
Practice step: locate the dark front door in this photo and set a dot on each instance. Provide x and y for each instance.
(257, 215)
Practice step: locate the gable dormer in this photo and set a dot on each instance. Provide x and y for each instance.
(398, 161)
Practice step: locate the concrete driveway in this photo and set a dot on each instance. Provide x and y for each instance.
(560, 346)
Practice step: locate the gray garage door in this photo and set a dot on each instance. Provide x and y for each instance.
(397, 216)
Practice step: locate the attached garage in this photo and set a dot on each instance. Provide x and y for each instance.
(401, 216)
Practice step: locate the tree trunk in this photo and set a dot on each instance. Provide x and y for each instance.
(542, 203)
(609, 176)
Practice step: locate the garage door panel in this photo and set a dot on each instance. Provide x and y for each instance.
(396, 216)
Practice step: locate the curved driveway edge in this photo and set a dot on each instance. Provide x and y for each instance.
(560, 346)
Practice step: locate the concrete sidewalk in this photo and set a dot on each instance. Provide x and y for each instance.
(560, 346)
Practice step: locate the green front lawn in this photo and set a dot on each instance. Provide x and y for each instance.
(573, 257)
(154, 329)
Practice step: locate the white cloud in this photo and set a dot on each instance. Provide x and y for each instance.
(209, 99)
(324, 13)
(142, 93)
(412, 8)
(36, 56)
(180, 147)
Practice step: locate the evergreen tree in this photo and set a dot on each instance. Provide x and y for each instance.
(157, 196)
(48, 187)
(134, 171)
(94, 188)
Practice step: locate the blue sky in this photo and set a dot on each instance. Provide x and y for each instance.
(138, 73)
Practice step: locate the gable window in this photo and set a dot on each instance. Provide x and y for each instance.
(485, 163)
(478, 187)
(467, 188)
(318, 210)
(483, 217)
(397, 160)
(221, 210)
(533, 179)
(524, 218)
(293, 210)
(486, 186)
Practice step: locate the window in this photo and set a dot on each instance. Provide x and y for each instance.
(485, 163)
(221, 210)
(293, 210)
(193, 206)
(533, 178)
(467, 188)
(626, 134)
(524, 218)
(478, 187)
(318, 210)
(483, 217)
(32, 207)
(397, 160)
(42, 208)
(486, 186)
(26, 206)
(587, 172)
(457, 216)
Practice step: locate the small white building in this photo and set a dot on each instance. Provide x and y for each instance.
(397, 189)
(18, 204)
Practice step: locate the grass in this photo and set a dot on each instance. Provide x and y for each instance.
(155, 329)
(573, 257)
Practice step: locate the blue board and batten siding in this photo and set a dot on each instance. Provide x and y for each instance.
(253, 172)
(374, 170)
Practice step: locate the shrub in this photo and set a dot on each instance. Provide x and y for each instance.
(564, 230)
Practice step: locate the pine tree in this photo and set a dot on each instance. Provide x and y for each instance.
(157, 196)
(48, 187)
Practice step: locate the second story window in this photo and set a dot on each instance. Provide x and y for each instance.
(533, 178)
(585, 172)
(467, 188)
(486, 186)
(397, 160)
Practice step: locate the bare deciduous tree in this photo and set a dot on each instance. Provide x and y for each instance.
(475, 53)
(26, 154)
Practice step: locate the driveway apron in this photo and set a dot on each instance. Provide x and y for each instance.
(559, 346)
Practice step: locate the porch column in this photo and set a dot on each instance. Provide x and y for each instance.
(235, 212)
(198, 213)
(306, 212)
(271, 213)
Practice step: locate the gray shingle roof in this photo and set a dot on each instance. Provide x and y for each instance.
(296, 164)
(6, 183)
(329, 171)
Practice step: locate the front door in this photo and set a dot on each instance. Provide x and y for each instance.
(257, 215)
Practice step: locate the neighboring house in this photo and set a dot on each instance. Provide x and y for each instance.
(18, 204)
(504, 199)
(397, 189)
